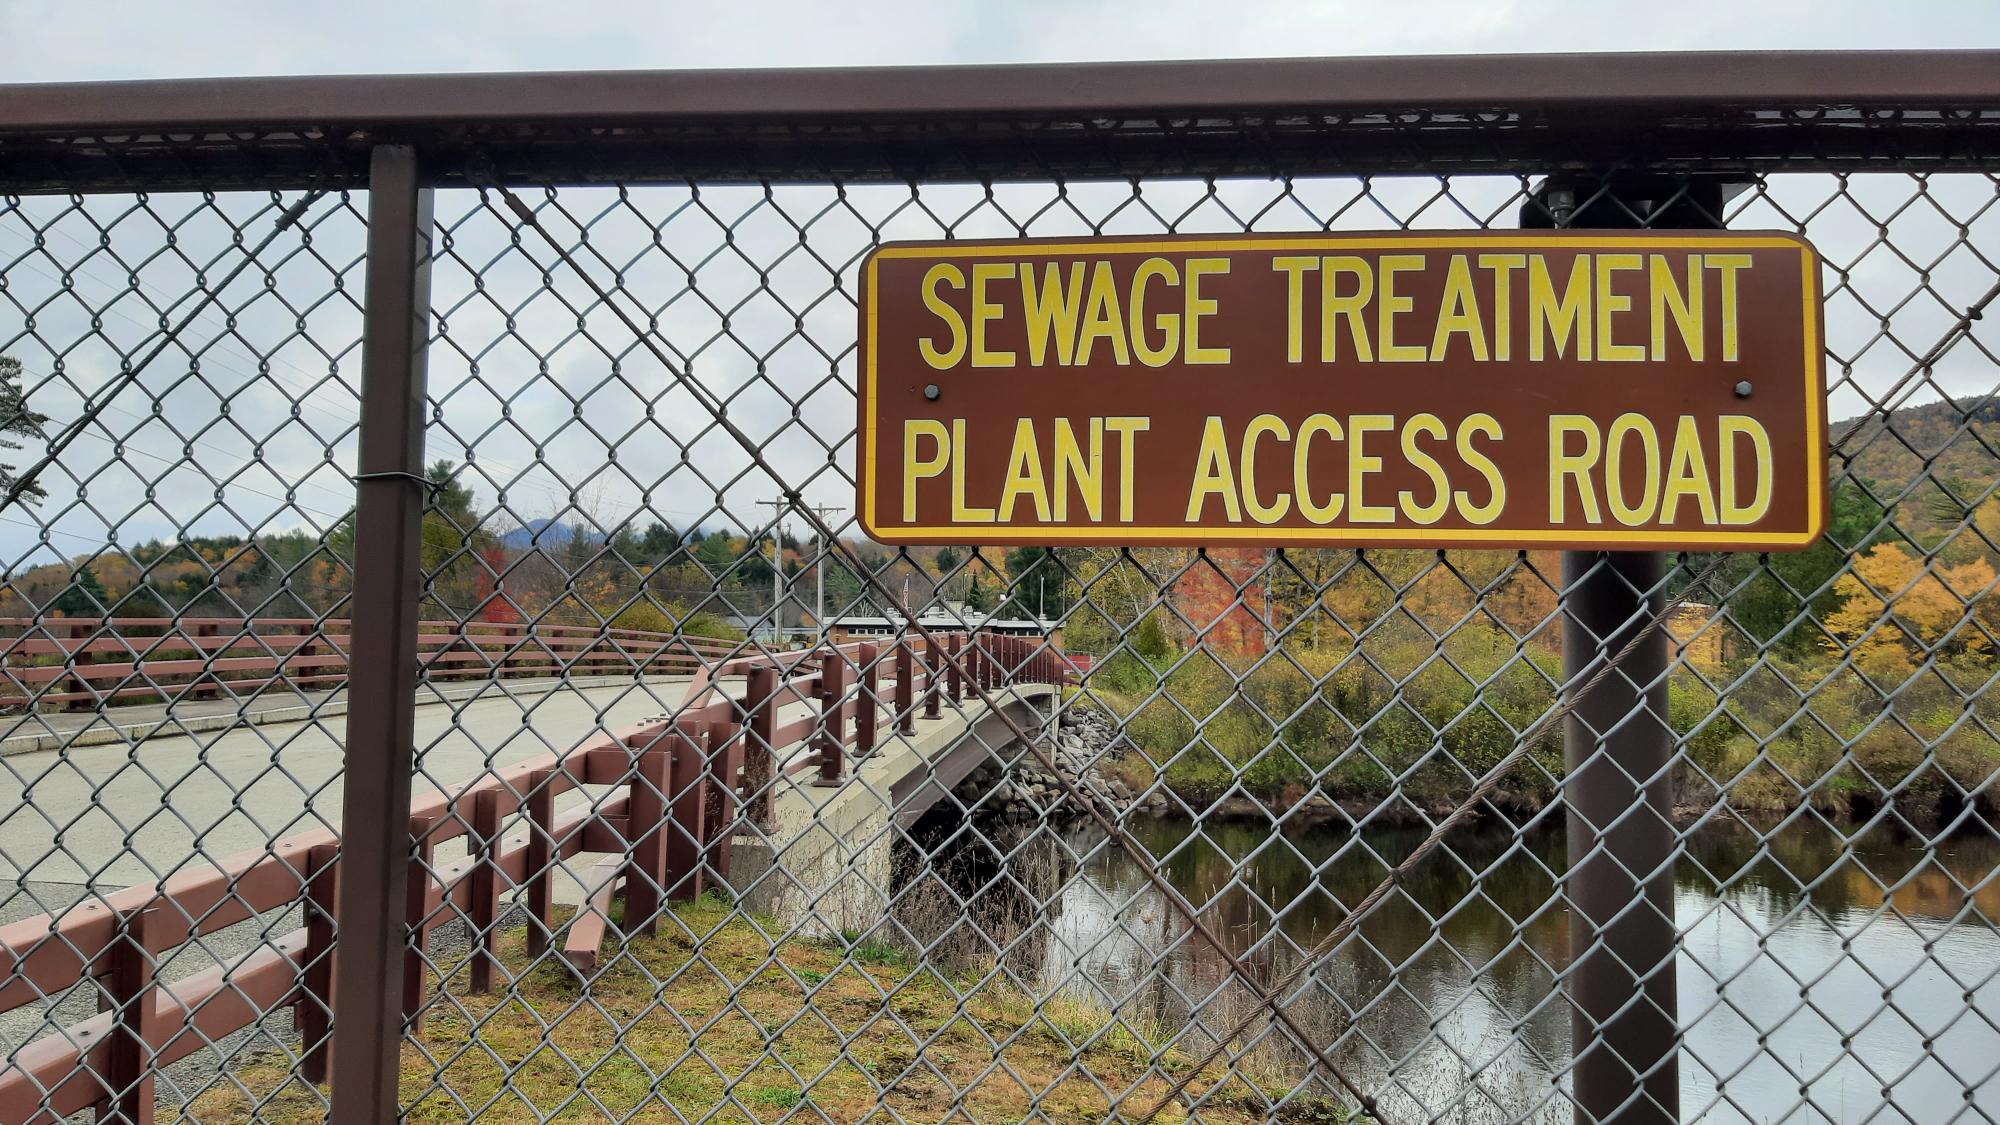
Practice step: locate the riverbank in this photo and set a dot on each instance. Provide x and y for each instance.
(835, 1030)
(1396, 774)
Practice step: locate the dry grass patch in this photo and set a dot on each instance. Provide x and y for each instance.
(713, 1009)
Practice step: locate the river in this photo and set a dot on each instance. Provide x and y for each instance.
(1796, 946)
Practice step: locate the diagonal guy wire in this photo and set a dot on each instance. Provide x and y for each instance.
(1112, 829)
(1523, 745)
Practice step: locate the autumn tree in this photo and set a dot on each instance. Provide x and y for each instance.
(1938, 607)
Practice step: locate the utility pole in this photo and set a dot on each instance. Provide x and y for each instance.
(826, 514)
(777, 568)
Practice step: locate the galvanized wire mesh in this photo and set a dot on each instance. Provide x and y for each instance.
(660, 873)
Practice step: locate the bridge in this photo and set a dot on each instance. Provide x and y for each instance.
(559, 766)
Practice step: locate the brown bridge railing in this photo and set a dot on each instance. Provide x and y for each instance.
(689, 781)
(86, 662)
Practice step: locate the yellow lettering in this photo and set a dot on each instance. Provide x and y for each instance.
(961, 512)
(1432, 425)
(921, 468)
(1610, 303)
(1214, 475)
(1127, 430)
(1388, 306)
(1360, 465)
(1687, 474)
(1622, 427)
(1496, 486)
(940, 358)
(1563, 463)
(1460, 314)
(985, 311)
(1168, 323)
(1731, 427)
(1199, 307)
(1301, 478)
(1334, 307)
(1727, 265)
(1295, 270)
(1024, 474)
(1261, 426)
(1072, 465)
(1503, 267)
(1102, 319)
(1683, 305)
(1051, 310)
(1562, 316)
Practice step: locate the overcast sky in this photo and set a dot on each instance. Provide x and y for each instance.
(87, 317)
(53, 40)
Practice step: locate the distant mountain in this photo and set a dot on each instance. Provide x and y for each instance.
(544, 534)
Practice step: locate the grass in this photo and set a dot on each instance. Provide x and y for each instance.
(879, 1033)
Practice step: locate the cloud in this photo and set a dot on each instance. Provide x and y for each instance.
(43, 40)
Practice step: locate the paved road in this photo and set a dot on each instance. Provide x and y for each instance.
(119, 813)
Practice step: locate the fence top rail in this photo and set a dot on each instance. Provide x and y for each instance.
(1492, 112)
(1664, 78)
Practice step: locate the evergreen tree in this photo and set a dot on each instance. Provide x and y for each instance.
(17, 419)
(83, 597)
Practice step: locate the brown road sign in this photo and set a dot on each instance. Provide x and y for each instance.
(1577, 389)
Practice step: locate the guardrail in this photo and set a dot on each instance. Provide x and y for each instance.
(690, 779)
(86, 662)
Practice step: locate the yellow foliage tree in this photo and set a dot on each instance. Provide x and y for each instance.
(1931, 605)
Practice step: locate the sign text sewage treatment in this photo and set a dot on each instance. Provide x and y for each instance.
(1569, 389)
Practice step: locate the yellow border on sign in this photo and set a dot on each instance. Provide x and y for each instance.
(1815, 468)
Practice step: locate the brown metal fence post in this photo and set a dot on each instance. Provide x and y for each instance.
(375, 844)
(1618, 792)
(955, 676)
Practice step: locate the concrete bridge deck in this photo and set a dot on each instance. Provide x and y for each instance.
(140, 791)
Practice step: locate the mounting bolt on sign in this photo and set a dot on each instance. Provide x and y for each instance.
(1542, 388)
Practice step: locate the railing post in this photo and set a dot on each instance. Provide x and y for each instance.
(832, 733)
(78, 658)
(315, 1003)
(722, 802)
(933, 687)
(375, 845)
(687, 824)
(130, 1080)
(541, 802)
(906, 686)
(865, 702)
(484, 909)
(646, 837)
(207, 684)
(1618, 791)
(760, 763)
(416, 965)
(955, 677)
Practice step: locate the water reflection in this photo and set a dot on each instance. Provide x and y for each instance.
(1845, 972)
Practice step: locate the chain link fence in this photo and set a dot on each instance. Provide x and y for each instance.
(717, 811)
